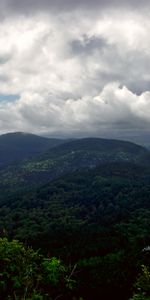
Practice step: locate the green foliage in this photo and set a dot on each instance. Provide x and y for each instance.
(25, 274)
(18, 266)
(98, 217)
(53, 270)
(96, 220)
(142, 285)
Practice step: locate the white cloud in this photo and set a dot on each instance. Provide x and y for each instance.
(113, 108)
(64, 69)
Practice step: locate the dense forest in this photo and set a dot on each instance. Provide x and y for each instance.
(76, 223)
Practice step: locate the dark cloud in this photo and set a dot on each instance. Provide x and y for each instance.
(4, 58)
(31, 6)
(88, 45)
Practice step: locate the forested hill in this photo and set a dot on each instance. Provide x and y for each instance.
(86, 202)
(99, 144)
(69, 157)
(97, 219)
(17, 146)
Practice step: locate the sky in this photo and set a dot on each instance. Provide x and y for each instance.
(75, 68)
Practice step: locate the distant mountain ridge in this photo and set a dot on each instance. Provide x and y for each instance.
(97, 144)
(68, 157)
(17, 146)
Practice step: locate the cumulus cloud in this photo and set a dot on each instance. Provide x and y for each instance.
(114, 108)
(75, 71)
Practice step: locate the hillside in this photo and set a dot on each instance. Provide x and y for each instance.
(86, 201)
(69, 157)
(18, 146)
(97, 219)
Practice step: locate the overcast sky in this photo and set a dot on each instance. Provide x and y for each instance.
(75, 68)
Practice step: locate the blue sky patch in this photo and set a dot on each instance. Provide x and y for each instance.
(8, 98)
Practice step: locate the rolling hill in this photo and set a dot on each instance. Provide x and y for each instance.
(18, 146)
(69, 157)
(85, 201)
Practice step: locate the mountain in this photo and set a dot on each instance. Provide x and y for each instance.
(87, 202)
(105, 146)
(18, 146)
(69, 157)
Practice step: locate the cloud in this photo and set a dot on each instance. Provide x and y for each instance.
(114, 108)
(64, 66)
(34, 6)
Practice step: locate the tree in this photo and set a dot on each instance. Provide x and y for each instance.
(142, 285)
(25, 274)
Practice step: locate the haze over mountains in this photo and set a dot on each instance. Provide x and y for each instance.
(18, 146)
(27, 159)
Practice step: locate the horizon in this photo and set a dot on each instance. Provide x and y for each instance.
(143, 141)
